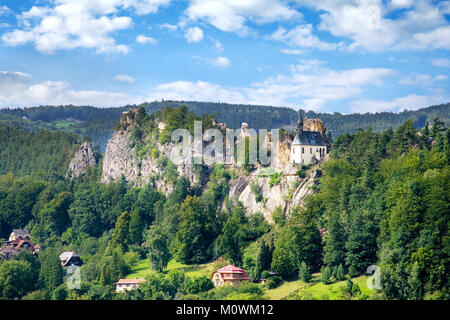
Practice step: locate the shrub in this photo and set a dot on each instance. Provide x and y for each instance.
(275, 179)
(274, 282)
(254, 188)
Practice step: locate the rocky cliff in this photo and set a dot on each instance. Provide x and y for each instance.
(83, 158)
(124, 157)
(287, 194)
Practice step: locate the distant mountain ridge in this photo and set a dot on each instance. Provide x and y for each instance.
(98, 123)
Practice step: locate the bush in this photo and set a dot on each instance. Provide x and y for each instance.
(254, 188)
(274, 282)
(275, 179)
(60, 293)
(198, 285)
(301, 173)
(36, 295)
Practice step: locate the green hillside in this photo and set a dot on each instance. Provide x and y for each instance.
(98, 123)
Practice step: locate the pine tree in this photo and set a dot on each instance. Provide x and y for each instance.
(335, 244)
(415, 283)
(136, 227)
(264, 258)
(326, 275)
(340, 273)
(51, 274)
(361, 244)
(120, 232)
(304, 273)
(368, 171)
(157, 244)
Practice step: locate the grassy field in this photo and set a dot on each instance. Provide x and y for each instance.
(315, 290)
(142, 269)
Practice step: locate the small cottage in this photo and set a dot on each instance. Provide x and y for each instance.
(18, 240)
(70, 258)
(229, 275)
(128, 284)
(19, 234)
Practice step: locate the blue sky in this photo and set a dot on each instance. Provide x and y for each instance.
(345, 56)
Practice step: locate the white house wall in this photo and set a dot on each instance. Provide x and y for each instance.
(310, 153)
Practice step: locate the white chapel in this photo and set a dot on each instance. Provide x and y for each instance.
(308, 146)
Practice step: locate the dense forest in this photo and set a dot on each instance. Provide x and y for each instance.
(98, 123)
(383, 199)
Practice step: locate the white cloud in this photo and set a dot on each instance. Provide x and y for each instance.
(308, 83)
(4, 10)
(142, 39)
(441, 62)
(396, 4)
(232, 15)
(68, 24)
(221, 62)
(124, 78)
(146, 6)
(292, 51)
(367, 23)
(410, 102)
(314, 85)
(199, 91)
(18, 89)
(171, 27)
(218, 46)
(301, 37)
(194, 34)
(421, 79)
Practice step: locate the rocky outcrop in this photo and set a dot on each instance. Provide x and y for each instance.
(288, 194)
(83, 158)
(119, 158)
(314, 125)
(122, 158)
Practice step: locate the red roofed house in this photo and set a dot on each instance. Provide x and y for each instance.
(229, 275)
(128, 284)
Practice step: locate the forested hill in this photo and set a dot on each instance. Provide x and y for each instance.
(99, 123)
(44, 152)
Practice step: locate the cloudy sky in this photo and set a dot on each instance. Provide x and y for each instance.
(333, 55)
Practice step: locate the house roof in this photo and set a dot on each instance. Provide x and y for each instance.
(130, 281)
(230, 269)
(236, 273)
(310, 138)
(21, 233)
(67, 255)
(21, 242)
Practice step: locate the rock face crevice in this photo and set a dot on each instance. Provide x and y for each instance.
(83, 158)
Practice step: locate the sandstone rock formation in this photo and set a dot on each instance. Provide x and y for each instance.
(314, 125)
(83, 158)
(121, 158)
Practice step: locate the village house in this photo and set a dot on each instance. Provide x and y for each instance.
(70, 258)
(19, 239)
(19, 234)
(229, 275)
(308, 146)
(128, 284)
